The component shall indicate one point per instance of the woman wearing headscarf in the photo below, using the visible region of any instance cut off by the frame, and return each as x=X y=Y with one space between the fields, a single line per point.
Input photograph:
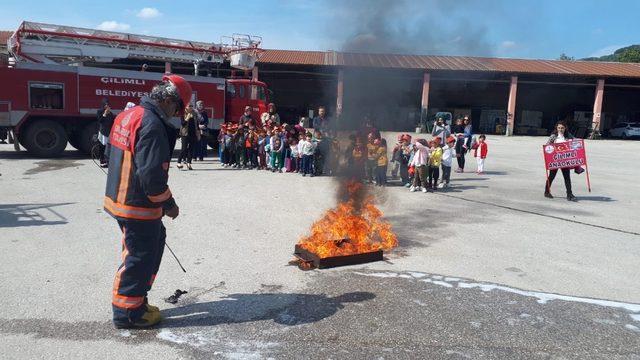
x=200 y=151
x=270 y=117
x=440 y=129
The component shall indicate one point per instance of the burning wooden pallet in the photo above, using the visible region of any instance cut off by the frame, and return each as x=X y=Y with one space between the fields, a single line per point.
x=306 y=260
x=351 y=233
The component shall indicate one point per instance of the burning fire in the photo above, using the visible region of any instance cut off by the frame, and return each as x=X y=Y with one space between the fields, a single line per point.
x=353 y=227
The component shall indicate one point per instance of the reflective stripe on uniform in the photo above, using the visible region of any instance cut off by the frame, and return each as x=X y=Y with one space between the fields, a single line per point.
x=125 y=173
x=123 y=301
x=131 y=212
x=166 y=195
x=127 y=302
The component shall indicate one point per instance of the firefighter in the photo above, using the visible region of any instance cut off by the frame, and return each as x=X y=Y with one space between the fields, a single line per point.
x=137 y=196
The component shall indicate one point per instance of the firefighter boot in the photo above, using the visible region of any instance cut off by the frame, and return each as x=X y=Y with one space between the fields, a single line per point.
x=148 y=319
x=149 y=307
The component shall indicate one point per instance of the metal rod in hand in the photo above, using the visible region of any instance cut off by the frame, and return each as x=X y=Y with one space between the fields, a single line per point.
x=174 y=256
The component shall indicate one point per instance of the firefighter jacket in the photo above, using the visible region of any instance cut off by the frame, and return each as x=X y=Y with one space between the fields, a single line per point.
x=139 y=163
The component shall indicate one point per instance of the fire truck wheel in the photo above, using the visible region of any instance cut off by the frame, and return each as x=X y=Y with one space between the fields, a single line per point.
x=74 y=139
x=87 y=137
x=45 y=138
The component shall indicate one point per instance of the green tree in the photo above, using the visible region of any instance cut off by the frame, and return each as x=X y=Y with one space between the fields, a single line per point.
x=566 y=57
x=630 y=54
x=625 y=54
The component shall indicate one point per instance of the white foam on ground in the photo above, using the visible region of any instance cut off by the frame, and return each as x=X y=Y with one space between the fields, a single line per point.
x=223 y=346
x=195 y=339
x=168 y=335
x=248 y=349
x=632 y=327
x=380 y=275
x=438 y=282
x=542 y=297
x=417 y=275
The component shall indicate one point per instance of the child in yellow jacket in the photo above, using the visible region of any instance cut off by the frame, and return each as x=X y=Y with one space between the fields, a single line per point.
x=435 y=159
x=381 y=162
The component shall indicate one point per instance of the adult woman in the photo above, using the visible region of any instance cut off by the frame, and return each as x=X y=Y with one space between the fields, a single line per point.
x=200 y=151
x=441 y=129
x=560 y=134
x=270 y=117
x=105 y=122
x=468 y=132
x=457 y=131
x=189 y=136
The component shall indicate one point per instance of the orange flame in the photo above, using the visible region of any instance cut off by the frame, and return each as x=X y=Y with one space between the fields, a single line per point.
x=358 y=222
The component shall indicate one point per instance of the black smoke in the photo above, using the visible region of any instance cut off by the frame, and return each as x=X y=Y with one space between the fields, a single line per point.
x=390 y=98
x=432 y=27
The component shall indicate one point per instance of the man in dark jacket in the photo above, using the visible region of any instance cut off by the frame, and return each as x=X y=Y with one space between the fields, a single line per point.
x=137 y=196
x=321 y=122
x=105 y=122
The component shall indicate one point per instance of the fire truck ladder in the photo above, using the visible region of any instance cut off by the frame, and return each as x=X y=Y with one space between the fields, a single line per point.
x=58 y=44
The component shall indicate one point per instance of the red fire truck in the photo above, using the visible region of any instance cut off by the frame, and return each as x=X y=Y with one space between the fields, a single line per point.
x=50 y=97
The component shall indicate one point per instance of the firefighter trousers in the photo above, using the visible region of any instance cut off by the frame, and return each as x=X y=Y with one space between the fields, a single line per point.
x=142 y=248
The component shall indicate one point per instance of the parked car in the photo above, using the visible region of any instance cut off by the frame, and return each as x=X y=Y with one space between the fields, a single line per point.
x=625 y=130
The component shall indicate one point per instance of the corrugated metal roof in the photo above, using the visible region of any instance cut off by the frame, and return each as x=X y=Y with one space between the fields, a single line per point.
x=455 y=63
x=294 y=57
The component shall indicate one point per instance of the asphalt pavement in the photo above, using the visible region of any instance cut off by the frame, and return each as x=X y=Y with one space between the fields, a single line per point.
x=487 y=269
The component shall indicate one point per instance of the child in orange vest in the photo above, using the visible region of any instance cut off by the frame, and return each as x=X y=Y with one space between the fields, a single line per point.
x=381 y=162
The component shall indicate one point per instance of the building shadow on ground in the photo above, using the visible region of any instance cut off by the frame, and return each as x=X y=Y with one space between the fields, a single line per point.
x=22 y=215
x=285 y=309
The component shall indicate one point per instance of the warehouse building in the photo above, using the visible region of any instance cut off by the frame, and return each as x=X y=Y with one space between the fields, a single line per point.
x=398 y=92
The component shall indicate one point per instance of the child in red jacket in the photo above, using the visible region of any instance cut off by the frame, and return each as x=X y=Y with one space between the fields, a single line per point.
x=480 y=153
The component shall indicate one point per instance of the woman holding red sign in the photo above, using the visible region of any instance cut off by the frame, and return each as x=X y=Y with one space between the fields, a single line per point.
x=560 y=135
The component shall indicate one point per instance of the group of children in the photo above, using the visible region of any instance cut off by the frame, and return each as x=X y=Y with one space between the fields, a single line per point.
x=420 y=162
x=368 y=162
x=276 y=148
x=422 y=165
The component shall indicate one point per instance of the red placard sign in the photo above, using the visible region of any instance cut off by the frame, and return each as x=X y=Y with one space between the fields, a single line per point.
x=570 y=154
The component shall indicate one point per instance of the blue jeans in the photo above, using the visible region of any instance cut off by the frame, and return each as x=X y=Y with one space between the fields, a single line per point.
x=307 y=162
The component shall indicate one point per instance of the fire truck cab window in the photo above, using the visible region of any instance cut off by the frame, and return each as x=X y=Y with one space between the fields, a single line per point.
x=241 y=91
x=231 y=90
x=259 y=92
x=46 y=96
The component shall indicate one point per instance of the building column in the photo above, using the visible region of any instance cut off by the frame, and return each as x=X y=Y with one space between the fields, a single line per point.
x=167 y=67
x=254 y=77
x=340 y=93
x=511 y=106
x=424 y=103
x=597 y=108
